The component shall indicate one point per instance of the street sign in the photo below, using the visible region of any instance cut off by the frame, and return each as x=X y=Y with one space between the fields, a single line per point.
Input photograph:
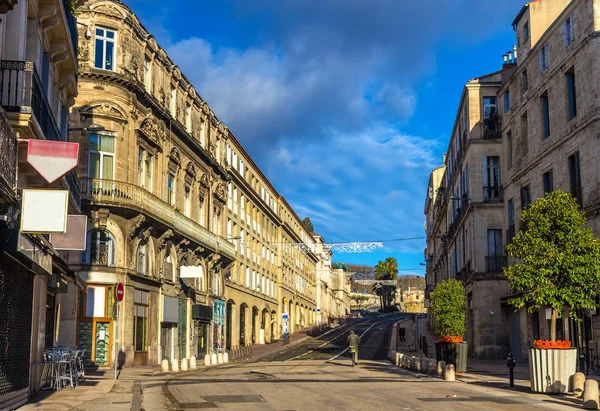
x=120 y=293
x=52 y=159
x=318 y=310
x=285 y=316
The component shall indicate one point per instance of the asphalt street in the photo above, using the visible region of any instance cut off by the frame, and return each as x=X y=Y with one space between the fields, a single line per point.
x=316 y=375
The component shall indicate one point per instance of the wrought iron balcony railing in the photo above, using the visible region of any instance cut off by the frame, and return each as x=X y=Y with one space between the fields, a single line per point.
x=120 y=194
x=21 y=91
x=72 y=26
x=492 y=193
x=495 y=263
x=8 y=155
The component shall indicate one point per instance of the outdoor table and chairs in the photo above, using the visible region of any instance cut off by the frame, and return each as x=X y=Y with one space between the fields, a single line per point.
x=63 y=367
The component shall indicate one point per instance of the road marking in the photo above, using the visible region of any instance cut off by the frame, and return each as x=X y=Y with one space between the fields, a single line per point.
x=326 y=342
x=346 y=349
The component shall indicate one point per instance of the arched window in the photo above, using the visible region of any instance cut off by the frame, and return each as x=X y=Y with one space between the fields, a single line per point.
x=142 y=259
x=100 y=248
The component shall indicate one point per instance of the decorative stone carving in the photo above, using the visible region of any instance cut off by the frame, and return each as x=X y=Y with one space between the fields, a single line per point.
x=175 y=157
x=7 y=5
x=100 y=218
x=162 y=240
x=151 y=130
x=104 y=109
x=182 y=249
x=145 y=235
x=220 y=192
x=135 y=224
x=109 y=11
x=162 y=97
x=204 y=179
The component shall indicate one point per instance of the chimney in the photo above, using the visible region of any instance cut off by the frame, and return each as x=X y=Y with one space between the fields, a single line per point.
x=515 y=53
x=444 y=158
x=504 y=59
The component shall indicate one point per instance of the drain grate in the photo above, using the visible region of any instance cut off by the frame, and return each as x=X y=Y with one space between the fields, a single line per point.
x=193 y=405
x=235 y=398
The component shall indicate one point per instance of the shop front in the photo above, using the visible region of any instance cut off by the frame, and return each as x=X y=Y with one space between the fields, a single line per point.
x=202 y=317
x=96 y=324
x=218 y=326
x=168 y=327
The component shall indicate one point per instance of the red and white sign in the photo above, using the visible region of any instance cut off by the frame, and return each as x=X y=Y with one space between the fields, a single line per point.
x=52 y=159
x=120 y=293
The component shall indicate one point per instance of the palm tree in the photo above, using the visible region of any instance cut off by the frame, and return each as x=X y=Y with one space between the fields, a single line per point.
x=385 y=271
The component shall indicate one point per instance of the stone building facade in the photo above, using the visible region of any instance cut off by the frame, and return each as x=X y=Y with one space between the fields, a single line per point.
x=178 y=212
x=38 y=84
x=549 y=107
x=465 y=217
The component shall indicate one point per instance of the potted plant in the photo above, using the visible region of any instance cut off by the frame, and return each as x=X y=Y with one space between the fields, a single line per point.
x=447 y=306
x=558 y=269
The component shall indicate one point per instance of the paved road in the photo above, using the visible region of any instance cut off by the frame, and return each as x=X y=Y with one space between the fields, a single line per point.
x=316 y=375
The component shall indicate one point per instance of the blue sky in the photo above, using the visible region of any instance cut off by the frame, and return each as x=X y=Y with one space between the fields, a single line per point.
x=346 y=105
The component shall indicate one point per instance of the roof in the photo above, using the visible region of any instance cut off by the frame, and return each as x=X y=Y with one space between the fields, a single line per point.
x=521 y=12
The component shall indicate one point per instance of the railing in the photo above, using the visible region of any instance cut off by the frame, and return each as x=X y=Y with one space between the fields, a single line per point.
x=100 y=254
x=120 y=194
x=8 y=154
x=492 y=193
x=72 y=26
x=20 y=88
x=495 y=263
x=491 y=129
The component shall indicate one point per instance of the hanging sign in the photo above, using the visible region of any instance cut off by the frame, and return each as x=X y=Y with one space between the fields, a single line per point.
x=52 y=159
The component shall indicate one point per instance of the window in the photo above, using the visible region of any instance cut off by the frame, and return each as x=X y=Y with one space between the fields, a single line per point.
x=140 y=164
x=171 y=188
x=173 y=102
x=201 y=218
x=188 y=118
x=187 y=206
x=525 y=198
x=490 y=117
x=106 y=50
x=495 y=251
x=142 y=259
x=544 y=58
x=511 y=220
x=569 y=33
x=571 y=94
x=148 y=165
x=548 y=182
x=140 y=319
x=524 y=137
x=492 y=189
x=148 y=74
x=506 y=100
x=524 y=81
x=575 y=177
x=203 y=133
x=526 y=31
x=100 y=249
x=102 y=156
x=510 y=149
x=545 y=115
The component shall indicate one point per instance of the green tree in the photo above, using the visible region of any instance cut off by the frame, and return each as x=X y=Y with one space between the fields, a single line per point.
x=447 y=306
x=308 y=224
x=386 y=270
x=559 y=259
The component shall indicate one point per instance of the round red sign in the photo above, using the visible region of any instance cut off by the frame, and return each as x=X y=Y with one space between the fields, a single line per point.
x=120 y=292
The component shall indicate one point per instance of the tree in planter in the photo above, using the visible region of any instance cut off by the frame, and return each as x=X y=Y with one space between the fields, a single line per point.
x=559 y=259
x=447 y=306
x=386 y=270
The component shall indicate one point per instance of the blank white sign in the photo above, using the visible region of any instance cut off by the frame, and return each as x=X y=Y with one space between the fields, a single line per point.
x=44 y=211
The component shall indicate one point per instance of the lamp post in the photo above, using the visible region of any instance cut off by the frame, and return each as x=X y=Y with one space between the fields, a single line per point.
x=92 y=128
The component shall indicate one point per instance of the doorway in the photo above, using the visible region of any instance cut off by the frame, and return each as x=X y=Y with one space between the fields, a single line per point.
x=242 y=324
x=228 y=321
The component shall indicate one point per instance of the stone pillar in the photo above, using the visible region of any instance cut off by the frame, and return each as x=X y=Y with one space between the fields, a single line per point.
x=590 y=395
x=578 y=383
x=164 y=366
x=441 y=369
x=193 y=362
x=207 y=359
x=175 y=365
x=184 y=364
x=450 y=373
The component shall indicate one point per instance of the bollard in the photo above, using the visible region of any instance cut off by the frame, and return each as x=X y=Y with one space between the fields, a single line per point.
x=184 y=364
x=578 y=383
x=417 y=364
x=441 y=369
x=510 y=363
x=449 y=376
x=164 y=366
x=225 y=357
x=432 y=366
x=193 y=362
x=424 y=365
x=175 y=365
x=399 y=358
x=213 y=359
x=590 y=395
x=207 y=359
x=220 y=358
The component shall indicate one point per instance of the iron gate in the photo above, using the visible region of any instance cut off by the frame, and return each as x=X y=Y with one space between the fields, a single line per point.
x=16 y=296
x=166 y=341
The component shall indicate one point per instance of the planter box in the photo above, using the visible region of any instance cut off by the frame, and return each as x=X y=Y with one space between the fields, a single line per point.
x=453 y=353
x=550 y=369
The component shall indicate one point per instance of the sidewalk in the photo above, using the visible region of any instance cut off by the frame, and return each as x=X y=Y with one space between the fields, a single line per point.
x=100 y=391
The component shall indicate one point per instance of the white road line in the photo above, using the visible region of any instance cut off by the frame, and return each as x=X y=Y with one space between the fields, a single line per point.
x=346 y=349
x=325 y=343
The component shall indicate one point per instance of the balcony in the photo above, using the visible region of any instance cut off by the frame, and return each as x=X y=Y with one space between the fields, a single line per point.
x=8 y=159
x=495 y=263
x=21 y=91
x=491 y=124
x=118 y=194
x=492 y=194
x=72 y=26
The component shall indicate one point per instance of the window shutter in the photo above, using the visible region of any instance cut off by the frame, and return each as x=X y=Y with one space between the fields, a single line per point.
x=566 y=33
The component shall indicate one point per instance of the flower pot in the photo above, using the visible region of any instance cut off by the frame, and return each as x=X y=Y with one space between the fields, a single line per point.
x=453 y=353
x=550 y=369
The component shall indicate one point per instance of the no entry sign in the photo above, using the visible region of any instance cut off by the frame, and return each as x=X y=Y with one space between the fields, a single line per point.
x=52 y=159
x=120 y=293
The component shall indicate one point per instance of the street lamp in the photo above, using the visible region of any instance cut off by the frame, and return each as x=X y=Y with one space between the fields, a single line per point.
x=93 y=128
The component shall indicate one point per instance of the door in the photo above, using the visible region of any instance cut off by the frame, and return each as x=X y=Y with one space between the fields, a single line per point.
x=102 y=349
x=242 y=325
x=228 y=325
x=166 y=340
